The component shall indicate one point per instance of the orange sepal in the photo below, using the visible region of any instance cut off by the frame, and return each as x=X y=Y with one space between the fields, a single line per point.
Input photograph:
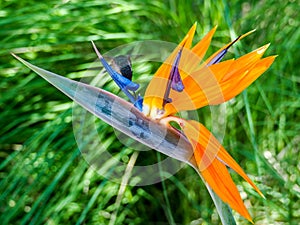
x=232 y=88
x=211 y=157
x=155 y=90
x=244 y=63
x=219 y=179
x=220 y=82
x=201 y=47
x=255 y=73
x=219 y=152
x=202 y=87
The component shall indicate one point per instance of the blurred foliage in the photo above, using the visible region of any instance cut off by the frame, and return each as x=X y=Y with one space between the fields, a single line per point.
x=43 y=177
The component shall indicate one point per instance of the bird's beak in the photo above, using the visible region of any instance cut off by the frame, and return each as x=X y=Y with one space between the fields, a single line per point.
x=121 y=115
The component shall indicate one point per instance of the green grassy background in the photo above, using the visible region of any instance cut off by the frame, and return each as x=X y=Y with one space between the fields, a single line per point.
x=43 y=177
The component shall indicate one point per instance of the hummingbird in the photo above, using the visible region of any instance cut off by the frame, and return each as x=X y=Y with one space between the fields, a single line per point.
x=122 y=64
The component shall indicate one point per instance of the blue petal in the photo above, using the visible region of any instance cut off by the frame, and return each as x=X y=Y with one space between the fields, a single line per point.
x=124 y=84
x=139 y=103
x=218 y=57
x=221 y=55
x=175 y=81
x=176 y=84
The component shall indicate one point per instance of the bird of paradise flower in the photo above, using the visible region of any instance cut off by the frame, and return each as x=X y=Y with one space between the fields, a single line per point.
x=182 y=83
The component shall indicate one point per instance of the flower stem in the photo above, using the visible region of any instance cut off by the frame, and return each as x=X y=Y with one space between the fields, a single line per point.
x=223 y=209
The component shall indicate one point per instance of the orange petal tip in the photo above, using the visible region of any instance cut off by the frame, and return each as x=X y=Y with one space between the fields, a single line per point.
x=249 y=32
x=213 y=30
x=262 y=49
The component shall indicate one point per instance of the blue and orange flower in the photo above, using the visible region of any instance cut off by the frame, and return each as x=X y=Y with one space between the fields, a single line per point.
x=183 y=82
x=186 y=82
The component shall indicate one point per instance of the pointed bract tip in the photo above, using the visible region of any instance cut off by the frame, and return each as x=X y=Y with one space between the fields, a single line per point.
x=14 y=55
x=18 y=58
